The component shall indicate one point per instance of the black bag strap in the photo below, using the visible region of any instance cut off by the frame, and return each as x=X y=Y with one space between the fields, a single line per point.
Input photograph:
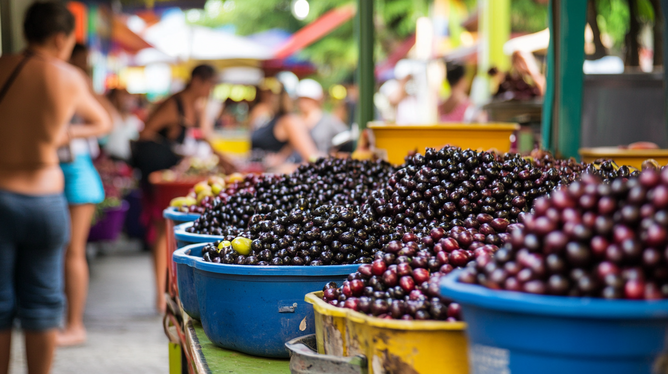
x=12 y=77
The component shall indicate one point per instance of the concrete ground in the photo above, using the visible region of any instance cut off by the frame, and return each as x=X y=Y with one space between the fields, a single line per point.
x=125 y=333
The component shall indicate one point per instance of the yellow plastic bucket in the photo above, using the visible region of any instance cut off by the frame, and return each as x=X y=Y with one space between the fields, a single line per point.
x=237 y=146
x=629 y=157
x=394 y=142
x=330 y=326
x=393 y=346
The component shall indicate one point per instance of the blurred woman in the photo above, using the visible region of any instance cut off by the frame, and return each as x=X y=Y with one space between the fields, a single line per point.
x=456 y=106
x=267 y=106
x=126 y=125
x=161 y=146
x=284 y=134
x=83 y=189
x=39 y=92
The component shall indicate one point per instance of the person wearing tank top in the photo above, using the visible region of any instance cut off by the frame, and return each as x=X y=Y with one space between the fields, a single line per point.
x=285 y=140
x=159 y=147
x=39 y=93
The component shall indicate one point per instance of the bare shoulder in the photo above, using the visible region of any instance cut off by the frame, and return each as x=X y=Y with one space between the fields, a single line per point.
x=71 y=73
x=291 y=120
x=164 y=111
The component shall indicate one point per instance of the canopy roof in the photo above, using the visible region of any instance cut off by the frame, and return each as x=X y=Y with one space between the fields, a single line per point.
x=175 y=38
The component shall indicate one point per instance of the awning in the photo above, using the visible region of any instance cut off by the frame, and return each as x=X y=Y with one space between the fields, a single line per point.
x=175 y=38
x=535 y=42
x=125 y=38
x=315 y=30
x=300 y=68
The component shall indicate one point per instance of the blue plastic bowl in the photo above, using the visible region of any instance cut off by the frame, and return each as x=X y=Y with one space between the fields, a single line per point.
x=184 y=238
x=179 y=217
x=257 y=309
x=185 y=259
x=513 y=332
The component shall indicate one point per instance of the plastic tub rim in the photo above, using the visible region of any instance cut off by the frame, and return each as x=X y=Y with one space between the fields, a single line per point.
x=548 y=305
x=493 y=126
x=182 y=235
x=621 y=152
x=175 y=215
x=315 y=298
x=182 y=256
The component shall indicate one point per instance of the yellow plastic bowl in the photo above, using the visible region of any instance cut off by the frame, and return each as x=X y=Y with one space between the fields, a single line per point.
x=393 y=346
x=236 y=146
x=396 y=141
x=330 y=326
x=629 y=157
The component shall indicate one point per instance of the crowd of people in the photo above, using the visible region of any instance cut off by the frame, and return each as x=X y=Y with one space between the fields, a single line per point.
x=55 y=125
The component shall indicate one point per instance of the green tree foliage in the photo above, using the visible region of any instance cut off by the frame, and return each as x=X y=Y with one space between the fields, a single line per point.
x=613 y=18
x=527 y=16
x=336 y=54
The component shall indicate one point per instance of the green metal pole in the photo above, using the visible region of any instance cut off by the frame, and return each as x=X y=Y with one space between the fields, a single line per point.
x=664 y=13
x=567 y=79
x=365 y=64
x=548 y=99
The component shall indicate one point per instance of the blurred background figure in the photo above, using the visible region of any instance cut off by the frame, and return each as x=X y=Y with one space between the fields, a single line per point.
x=126 y=125
x=457 y=107
x=83 y=189
x=170 y=134
x=526 y=65
x=401 y=95
x=284 y=134
x=34 y=227
x=269 y=93
x=323 y=126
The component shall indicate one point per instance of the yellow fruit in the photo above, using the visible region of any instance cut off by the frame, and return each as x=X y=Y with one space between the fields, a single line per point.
x=202 y=186
x=214 y=179
x=177 y=202
x=168 y=176
x=242 y=245
x=202 y=195
x=190 y=200
x=236 y=177
x=224 y=244
x=216 y=188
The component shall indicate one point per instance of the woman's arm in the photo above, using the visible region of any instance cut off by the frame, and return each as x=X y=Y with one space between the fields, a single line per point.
x=205 y=121
x=292 y=128
x=96 y=119
x=165 y=113
x=205 y=124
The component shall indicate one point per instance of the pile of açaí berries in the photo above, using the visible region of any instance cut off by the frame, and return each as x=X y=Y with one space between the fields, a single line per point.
x=342 y=211
x=589 y=239
x=405 y=226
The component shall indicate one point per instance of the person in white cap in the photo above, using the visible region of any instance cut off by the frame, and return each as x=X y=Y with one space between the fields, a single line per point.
x=323 y=126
